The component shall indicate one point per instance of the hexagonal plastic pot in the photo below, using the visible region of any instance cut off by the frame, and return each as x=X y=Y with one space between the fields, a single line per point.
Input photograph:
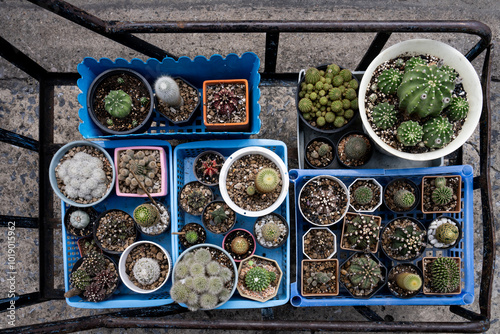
x=373 y=181
x=259 y=261
x=320 y=228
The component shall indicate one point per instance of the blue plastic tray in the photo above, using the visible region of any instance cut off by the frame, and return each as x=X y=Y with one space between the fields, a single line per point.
x=464 y=249
x=195 y=71
x=123 y=297
x=184 y=156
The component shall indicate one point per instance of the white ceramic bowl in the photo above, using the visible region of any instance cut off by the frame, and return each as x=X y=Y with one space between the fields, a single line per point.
x=379 y=203
x=269 y=155
x=451 y=57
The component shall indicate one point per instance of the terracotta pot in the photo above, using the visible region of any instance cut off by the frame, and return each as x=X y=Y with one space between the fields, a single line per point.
x=458 y=193
x=305 y=294
x=241 y=277
x=426 y=261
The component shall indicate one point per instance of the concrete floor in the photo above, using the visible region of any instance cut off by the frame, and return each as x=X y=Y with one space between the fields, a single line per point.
x=59 y=46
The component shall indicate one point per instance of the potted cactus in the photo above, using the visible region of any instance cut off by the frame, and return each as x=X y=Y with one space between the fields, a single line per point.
x=194 y=196
x=444 y=232
x=401 y=195
x=226 y=105
x=207 y=166
x=320 y=278
x=327 y=99
x=120 y=102
x=87 y=245
x=441 y=275
x=204 y=277
x=441 y=194
x=360 y=233
x=80 y=221
x=114 y=231
x=404 y=280
x=362 y=275
x=94 y=278
x=354 y=149
x=191 y=234
x=319 y=153
x=319 y=243
x=403 y=239
x=271 y=231
x=145 y=266
x=259 y=278
x=218 y=217
x=365 y=195
x=176 y=99
x=239 y=243
x=152 y=218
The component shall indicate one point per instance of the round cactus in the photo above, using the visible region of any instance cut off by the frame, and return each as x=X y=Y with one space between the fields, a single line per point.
x=350 y=94
x=409 y=281
x=167 y=90
x=445 y=275
x=335 y=94
x=458 y=108
x=413 y=62
x=364 y=272
x=440 y=181
x=363 y=195
x=146 y=271
x=312 y=75
x=270 y=232
x=333 y=70
x=389 y=81
x=80 y=279
x=257 y=279
x=191 y=237
x=425 y=90
x=146 y=215
x=305 y=105
x=410 y=133
x=251 y=190
x=239 y=245
x=384 y=115
x=437 y=132
x=346 y=75
x=324 y=149
x=355 y=148
x=79 y=219
x=404 y=198
x=447 y=233
x=267 y=180
x=118 y=103
x=442 y=195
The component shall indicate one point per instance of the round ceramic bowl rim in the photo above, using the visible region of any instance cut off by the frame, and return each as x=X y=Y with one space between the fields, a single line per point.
x=123 y=274
x=62 y=151
x=334 y=242
x=247 y=231
x=381 y=194
x=235 y=268
x=267 y=154
x=343 y=186
x=447 y=53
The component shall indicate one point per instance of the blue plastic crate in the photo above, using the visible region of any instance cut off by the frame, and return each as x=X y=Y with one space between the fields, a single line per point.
x=123 y=297
x=195 y=71
x=184 y=156
x=464 y=249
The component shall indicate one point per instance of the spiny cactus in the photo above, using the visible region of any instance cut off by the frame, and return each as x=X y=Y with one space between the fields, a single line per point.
x=406 y=242
x=409 y=281
x=384 y=115
x=404 y=198
x=332 y=70
x=389 y=81
x=414 y=62
x=410 y=133
x=210 y=167
x=106 y=278
x=361 y=232
x=447 y=233
x=442 y=195
x=346 y=75
x=191 y=236
x=440 y=181
x=458 y=108
x=239 y=245
x=167 y=90
x=270 y=231
x=218 y=215
x=146 y=215
x=445 y=275
x=251 y=190
x=312 y=75
x=266 y=180
x=224 y=101
x=437 y=132
x=94 y=263
x=425 y=90
x=364 y=272
x=355 y=148
x=318 y=278
x=363 y=195
x=197 y=199
x=79 y=219
x=335 y=94
x=324 y=149
x=80 y=279
x=146 y=271
x=95 y=292
x=118 y=103
x=257 y=279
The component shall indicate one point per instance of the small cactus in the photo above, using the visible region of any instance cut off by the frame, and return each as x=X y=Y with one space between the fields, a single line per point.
x=118 y=103
x=442 y=195
x=305 y=105
x=437 y=132
x=191 y=236
x=270 y=231
x=355 y=148
x=364 y=272
x=324 y=149
x=413 y=62
x=146 y=271
x=95 y=292
x=447 y=233
x=458 y=108
x=266 y=180
x=384 y=115
x=197 y=200
x=80 y=279
x=410 y=133
x=94 y=263
x=257 y=279
x=363 y=195
x=361 y=232
x=146 y=215
x=440 y=181
x=389 y=81
x=79 y=219
x=218 y=215
x=404 y=199
x=406 y=242
x=445 y=275
x=318 y=278
x=312 y=75
x=167 y=90
x=409 y=281
x=251 y=190
x=239 y=245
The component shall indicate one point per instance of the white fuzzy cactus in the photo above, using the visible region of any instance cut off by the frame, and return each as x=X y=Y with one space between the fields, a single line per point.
x=79 y=219
x=167 y=91
x=146 y=271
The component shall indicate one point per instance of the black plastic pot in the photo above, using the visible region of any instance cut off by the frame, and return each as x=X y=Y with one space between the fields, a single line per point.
x=98 y=242
x=324 y=140
x=87 y=231
x=377 y=289
x=383 y=233
x=182 y=189
x=142 y=127
x=283 y=220
x=205 y=224
x=304 y=121
x=367 y=158
x=392 y=282
x=416 y=191
x=201 y=239
x=188 y=120
x=201 y=155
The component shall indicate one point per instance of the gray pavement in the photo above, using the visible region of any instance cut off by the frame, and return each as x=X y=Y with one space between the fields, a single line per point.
x=59 y=46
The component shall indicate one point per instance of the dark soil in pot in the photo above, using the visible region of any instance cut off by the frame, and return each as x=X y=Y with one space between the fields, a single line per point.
x=154 y=253
x=207 y=166
x=314 y=273
x=87 y=231
x=392 y=284
x=218 y=217
x=319 y=244
x=403 y=239
x=226 y=103
x=354 y=150
x=87 y=245
x=376 y=194
x=240 y=244
x=200 y=231
x=146 y=164
x=114 y=231
x=194 y=196
x=320 y=153
x=191 y=101
x=393 y=188
x=428 y=188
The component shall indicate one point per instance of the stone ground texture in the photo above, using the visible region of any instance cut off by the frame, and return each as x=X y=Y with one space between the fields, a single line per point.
x=59 y=45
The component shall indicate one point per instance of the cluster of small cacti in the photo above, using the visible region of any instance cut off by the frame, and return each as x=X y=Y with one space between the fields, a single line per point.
x=404 y=198
x=364 y=273
x=94 y=278
x=146 y=215
x=408 y=281
x=443 y=194
x=118 y=103
x=200 y=281
x=361 y=232
x=79 y=219
x=146 y=270
x=197 y=199
x=424 y=91
x=445 y=275
x=83 y=177
x=406 y=241
x=328 y=97
x=259 y=279
x=143 y=163
x=318 y=278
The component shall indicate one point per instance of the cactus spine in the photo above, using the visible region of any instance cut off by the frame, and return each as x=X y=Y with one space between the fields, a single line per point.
x=458 y=109
x=384 y=115
x=437 y=132
x=167 y=91
x=445 y=275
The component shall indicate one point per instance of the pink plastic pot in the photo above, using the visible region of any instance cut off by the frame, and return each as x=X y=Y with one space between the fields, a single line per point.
x=231 y=253
x=163 y=170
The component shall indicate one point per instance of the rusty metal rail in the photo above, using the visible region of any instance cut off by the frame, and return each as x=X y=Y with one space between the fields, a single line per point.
x=157 y=317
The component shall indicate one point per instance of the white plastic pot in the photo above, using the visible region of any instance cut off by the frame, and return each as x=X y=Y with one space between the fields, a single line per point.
x=326 y=229
x=123 y=273
x=451 y=57
x=269 y=155
x=379 y=202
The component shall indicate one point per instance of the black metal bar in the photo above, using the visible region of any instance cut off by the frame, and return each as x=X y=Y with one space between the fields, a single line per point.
x=19 y=140
x=477 y=50
x=272 y=42
x=467 y=314
x=368 y=313
x=476 y=184
x=20 y=300
x=62 y=78
x=374 y=49
x=19 y=59
x=18 y=222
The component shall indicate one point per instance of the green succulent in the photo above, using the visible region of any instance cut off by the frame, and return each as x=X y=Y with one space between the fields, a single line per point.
x=257 y=279
x=80 y=279
x=270 y=231
x=409 y=281
x=363 y=195
x=267 y=180
x=445 y=273
x=305 y=105
x=410 y=133
x=384 y=115
x=118 y=103
x=146 y=215
x=324 y=149
x=414 y=62
x=389 y=81
x=219 y=215
x=406 y=242
x=191 y=236
x=458 y=108
x=364 y=272
x=318 y=278
x=440 y=181
x=312 y=75
x=442 y=195
x=404 y=198
x=361 y=232
x=437 y=132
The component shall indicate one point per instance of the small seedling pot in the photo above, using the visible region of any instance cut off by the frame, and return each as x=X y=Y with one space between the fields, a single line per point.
x=229 y=234
x=191 y=116
x=392 y=285
x=376 y=289
x=431 y=231
x=335 y=284
x=181 y=194
x=340 y=154
x=96 y=226
x=284 y=236
x=377 y=185
x=201 y=156
x=201 y=237
x=458 y=193
x=324 y=140
x=206 y=224
x=343 y=241
x=241 y=278
x=87 y=231
x=80 y=242
x=427 y=288
x=411 y=184
x=385 y=232
x=326 y=229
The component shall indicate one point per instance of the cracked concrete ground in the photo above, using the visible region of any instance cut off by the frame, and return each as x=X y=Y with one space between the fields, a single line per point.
x=59 y=46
